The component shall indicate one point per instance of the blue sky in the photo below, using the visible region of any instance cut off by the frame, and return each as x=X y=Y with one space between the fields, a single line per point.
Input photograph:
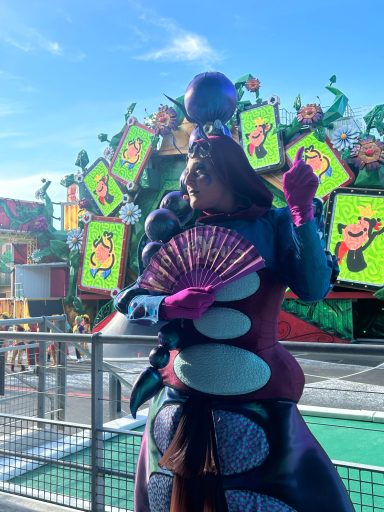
x=69 y=68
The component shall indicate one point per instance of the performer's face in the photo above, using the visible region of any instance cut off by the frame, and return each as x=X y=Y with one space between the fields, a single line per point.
x=205 y=189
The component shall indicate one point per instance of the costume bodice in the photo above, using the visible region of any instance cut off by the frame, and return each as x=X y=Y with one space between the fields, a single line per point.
x=232 y=350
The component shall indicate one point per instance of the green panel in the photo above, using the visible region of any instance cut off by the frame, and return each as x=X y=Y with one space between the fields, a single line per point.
x=278 y=200
x=330 y=315
x=169 y=169
x=324 y=162
x=353 y=225
x=102 y=255
x=103 y=188
x=258 y=124
x=134 y=149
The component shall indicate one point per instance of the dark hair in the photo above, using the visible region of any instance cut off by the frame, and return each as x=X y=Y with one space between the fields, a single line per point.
x=232 y=166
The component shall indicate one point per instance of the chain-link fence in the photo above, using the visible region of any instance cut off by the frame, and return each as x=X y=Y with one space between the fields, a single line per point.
x=90 y=464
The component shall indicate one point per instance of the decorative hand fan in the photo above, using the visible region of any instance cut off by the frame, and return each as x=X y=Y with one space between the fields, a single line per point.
x=201 y=256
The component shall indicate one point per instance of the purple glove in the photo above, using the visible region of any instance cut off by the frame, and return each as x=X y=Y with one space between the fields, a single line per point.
x=190 y=303
x=299 y=186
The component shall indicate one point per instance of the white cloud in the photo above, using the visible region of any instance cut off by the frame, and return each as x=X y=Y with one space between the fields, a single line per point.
x=9 y=109
x=53 y=47
x=10 y=135
x=25 y=187
x=181 y=45
x=25 y=47
x=187 y=47
x=8 y=76
x=78 y=57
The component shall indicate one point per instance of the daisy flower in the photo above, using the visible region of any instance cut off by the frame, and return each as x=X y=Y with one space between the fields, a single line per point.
x=345 y=137
x=130 y=213
x=74 y=239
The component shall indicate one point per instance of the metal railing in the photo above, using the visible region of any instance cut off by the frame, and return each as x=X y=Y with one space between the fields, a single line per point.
x=92 y=467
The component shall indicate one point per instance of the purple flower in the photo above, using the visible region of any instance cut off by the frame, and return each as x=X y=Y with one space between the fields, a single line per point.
x=164 y=120
x=310 y=114
x=368 y=153
x=39 y=224
x=84 y=204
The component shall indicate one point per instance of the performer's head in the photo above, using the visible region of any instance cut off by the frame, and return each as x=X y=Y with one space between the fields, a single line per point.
x=219 y=177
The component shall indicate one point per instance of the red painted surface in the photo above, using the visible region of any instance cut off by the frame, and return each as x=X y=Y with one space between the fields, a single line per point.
x=59 y=282
x=14 y=205
x=292 y=328
x=20 y=253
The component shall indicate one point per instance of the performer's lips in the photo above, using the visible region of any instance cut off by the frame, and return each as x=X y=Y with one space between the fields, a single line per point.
x=193 y=192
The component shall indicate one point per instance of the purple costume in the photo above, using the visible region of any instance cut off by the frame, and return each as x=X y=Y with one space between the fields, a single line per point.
x=230 y=376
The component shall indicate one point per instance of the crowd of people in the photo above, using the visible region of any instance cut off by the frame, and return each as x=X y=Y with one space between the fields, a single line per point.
x=28 y=358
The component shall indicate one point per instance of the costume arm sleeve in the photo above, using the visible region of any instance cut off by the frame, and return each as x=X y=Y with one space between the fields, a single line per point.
x=138 y=305
x=305 y=267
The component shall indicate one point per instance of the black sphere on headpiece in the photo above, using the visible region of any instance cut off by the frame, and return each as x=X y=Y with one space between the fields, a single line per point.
x=161 y=225
x=149 y=250
x=175 y=202
x=210 y=96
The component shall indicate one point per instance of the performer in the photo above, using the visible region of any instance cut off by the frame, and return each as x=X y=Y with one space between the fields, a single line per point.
x=225 y=433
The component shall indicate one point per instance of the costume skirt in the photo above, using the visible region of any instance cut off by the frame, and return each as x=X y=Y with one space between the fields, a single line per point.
x=261 y=458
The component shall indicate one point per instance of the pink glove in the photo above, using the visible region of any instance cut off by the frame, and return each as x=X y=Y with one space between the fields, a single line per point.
x=190 y=303
x=299 y=186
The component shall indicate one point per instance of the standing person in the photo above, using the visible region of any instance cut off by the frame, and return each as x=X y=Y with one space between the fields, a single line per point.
x=33 y=352
x=18 y=353
x=78 y=328
x=87 y=329
x=224 y=433
x=4 y=316
x=52 y=348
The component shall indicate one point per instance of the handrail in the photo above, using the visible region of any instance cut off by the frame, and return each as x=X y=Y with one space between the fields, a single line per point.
x=292 y=346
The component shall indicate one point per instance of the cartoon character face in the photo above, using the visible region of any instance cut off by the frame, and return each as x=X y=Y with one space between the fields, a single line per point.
x=356 y=235
x=257 y=137
x=320 y=163
x=102 y=190
x=131 y=153
x=102 y=187
x=103 y=256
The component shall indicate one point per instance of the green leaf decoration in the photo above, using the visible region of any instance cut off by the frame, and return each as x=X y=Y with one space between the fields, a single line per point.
x=68 y=180
x=337 y=109
x=320 y=134
x=59 y=249
x=179 y=112
x=130 y=110
x=370 y=178
x=82 y=159
x=78 y=305
x=379 y=294
x=375 y=119
x=346 y=154
x=280 y=128
x=116 y=139
x=297 y=103
x=291 y=130
x=103 y=137
x=74 y=259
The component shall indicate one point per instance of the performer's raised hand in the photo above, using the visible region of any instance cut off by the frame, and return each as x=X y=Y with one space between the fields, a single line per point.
x=299 y=186
x=189 y=303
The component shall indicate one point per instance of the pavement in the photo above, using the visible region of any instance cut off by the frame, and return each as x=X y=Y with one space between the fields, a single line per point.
x=345 y=381
x=14 y=503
